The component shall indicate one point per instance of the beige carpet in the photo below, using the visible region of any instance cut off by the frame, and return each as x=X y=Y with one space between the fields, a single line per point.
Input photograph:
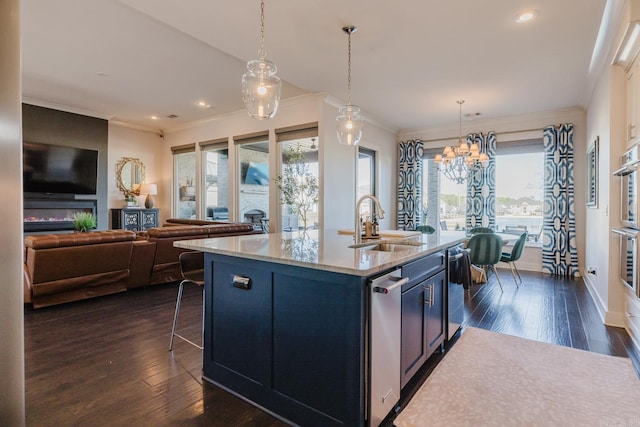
x=491 y=379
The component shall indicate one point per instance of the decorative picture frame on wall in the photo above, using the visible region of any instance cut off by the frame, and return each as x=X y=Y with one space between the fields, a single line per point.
x=592 y=174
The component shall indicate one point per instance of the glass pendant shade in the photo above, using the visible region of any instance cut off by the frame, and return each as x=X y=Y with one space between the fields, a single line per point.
x=261 y=89
x=260 y=85
x=349 y=125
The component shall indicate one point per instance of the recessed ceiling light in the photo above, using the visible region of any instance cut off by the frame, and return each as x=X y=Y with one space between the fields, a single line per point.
x=154 y=117
x=527 y=15
x=203 y=104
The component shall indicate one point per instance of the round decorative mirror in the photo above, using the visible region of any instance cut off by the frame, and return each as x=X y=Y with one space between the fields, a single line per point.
x=129 y=175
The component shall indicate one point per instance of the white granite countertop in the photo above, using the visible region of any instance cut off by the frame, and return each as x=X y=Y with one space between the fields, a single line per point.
x=321 y=249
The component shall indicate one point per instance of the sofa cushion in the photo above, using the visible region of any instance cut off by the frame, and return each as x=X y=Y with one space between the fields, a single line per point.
x=51 y=264
x=182 y=221
x=202 y=231
x=45 y=241
x=176 y=231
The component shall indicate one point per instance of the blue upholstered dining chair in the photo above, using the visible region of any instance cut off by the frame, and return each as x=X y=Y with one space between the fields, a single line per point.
x=485 y=249
x=516 y=253
x=425 y=229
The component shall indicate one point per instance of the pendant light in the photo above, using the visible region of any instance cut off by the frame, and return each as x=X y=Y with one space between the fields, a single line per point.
x=260 y=85
x=349 y=121
x=459 y=163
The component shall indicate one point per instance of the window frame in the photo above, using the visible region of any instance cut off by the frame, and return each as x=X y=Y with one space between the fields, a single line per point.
x=292 y=133
x=205 y=147
x=175 y=192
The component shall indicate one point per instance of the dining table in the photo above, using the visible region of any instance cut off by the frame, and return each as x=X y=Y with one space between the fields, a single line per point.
x=507 y=238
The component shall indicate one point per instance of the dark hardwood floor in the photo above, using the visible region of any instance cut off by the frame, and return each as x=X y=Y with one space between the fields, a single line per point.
x=105 y=362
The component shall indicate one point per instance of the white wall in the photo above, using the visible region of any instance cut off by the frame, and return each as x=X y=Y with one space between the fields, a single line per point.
x=144 y=145
x=337 y=162
x=339 y=171
x=12 y=399
x=606 y=113
x=523 y=127
x=607 y=119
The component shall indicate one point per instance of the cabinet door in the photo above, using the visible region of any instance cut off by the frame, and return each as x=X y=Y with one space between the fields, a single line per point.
x=632 y=101
x=413 y=348
x=131 y=220
x=435 y=328
x=241 y=327
x=423 y=326
x=149 y=218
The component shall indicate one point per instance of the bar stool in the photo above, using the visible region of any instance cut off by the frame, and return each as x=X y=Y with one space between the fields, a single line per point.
x=192 y=271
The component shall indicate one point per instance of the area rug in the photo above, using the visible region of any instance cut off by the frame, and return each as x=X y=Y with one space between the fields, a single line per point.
x=492 y=379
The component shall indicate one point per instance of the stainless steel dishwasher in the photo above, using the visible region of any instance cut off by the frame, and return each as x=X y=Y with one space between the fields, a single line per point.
x=385 y=336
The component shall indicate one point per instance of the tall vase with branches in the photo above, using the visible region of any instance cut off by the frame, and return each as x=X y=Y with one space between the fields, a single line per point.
x=298 y=186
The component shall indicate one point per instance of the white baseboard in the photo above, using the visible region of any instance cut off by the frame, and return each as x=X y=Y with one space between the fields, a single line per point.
x=602 y=309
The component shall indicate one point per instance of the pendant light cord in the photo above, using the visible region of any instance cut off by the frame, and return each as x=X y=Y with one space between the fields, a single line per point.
x=349 y=70
x=460 y=122
x=261 y=53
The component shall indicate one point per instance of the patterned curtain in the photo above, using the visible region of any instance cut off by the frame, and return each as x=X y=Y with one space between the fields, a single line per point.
x=410 y=184
x=481 y=187
x=433 y=195
x=559 y=253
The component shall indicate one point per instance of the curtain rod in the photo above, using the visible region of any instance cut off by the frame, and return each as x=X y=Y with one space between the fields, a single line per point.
x=497 y=133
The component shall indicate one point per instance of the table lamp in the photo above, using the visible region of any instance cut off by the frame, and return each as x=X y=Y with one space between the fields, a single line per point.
x=149 y=190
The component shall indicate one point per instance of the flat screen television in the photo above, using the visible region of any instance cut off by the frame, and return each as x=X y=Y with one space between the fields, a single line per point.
x=257 y=174
x=52 y=169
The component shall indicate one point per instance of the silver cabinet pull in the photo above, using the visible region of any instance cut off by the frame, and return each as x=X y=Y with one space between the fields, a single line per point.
x=431 y=289
x=241 y=282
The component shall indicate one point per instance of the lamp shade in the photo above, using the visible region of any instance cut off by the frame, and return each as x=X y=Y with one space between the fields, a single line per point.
x=151 y=189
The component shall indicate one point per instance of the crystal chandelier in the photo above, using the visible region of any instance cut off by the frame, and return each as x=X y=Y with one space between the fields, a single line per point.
x=458 y=163
x=260 y=85
x=349 y=121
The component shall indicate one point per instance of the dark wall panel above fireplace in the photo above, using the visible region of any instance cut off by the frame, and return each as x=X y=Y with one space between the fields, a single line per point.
x=49 y=126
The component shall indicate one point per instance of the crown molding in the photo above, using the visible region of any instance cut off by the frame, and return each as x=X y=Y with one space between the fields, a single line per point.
x=62 y=107
x=500 y=125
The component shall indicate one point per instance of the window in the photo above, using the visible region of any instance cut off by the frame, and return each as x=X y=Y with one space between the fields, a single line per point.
x=305 y=139
x=215 y=160
x=444 y=203
x=254 y=179
x=366 y=178
x=453 y=204
x=519 y=190
x=289 y=219
x=520 y=186
x=184 y=171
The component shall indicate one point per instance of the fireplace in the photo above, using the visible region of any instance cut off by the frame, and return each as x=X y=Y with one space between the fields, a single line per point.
x=52 y=214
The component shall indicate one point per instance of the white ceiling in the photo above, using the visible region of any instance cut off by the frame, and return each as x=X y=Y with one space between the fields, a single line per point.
x=411 y=59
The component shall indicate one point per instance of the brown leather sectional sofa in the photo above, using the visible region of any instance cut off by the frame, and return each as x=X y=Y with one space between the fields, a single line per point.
x=61 y=268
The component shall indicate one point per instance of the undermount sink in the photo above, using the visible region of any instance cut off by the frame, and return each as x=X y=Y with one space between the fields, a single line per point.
x=386 y=246
x=389 y=247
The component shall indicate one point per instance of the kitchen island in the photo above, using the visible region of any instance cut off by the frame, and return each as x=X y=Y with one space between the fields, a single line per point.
x=287 y=319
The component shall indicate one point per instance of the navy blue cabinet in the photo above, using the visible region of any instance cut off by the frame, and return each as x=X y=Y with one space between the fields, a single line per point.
x=423 y=313
x=292 y=340
x=240 y=328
